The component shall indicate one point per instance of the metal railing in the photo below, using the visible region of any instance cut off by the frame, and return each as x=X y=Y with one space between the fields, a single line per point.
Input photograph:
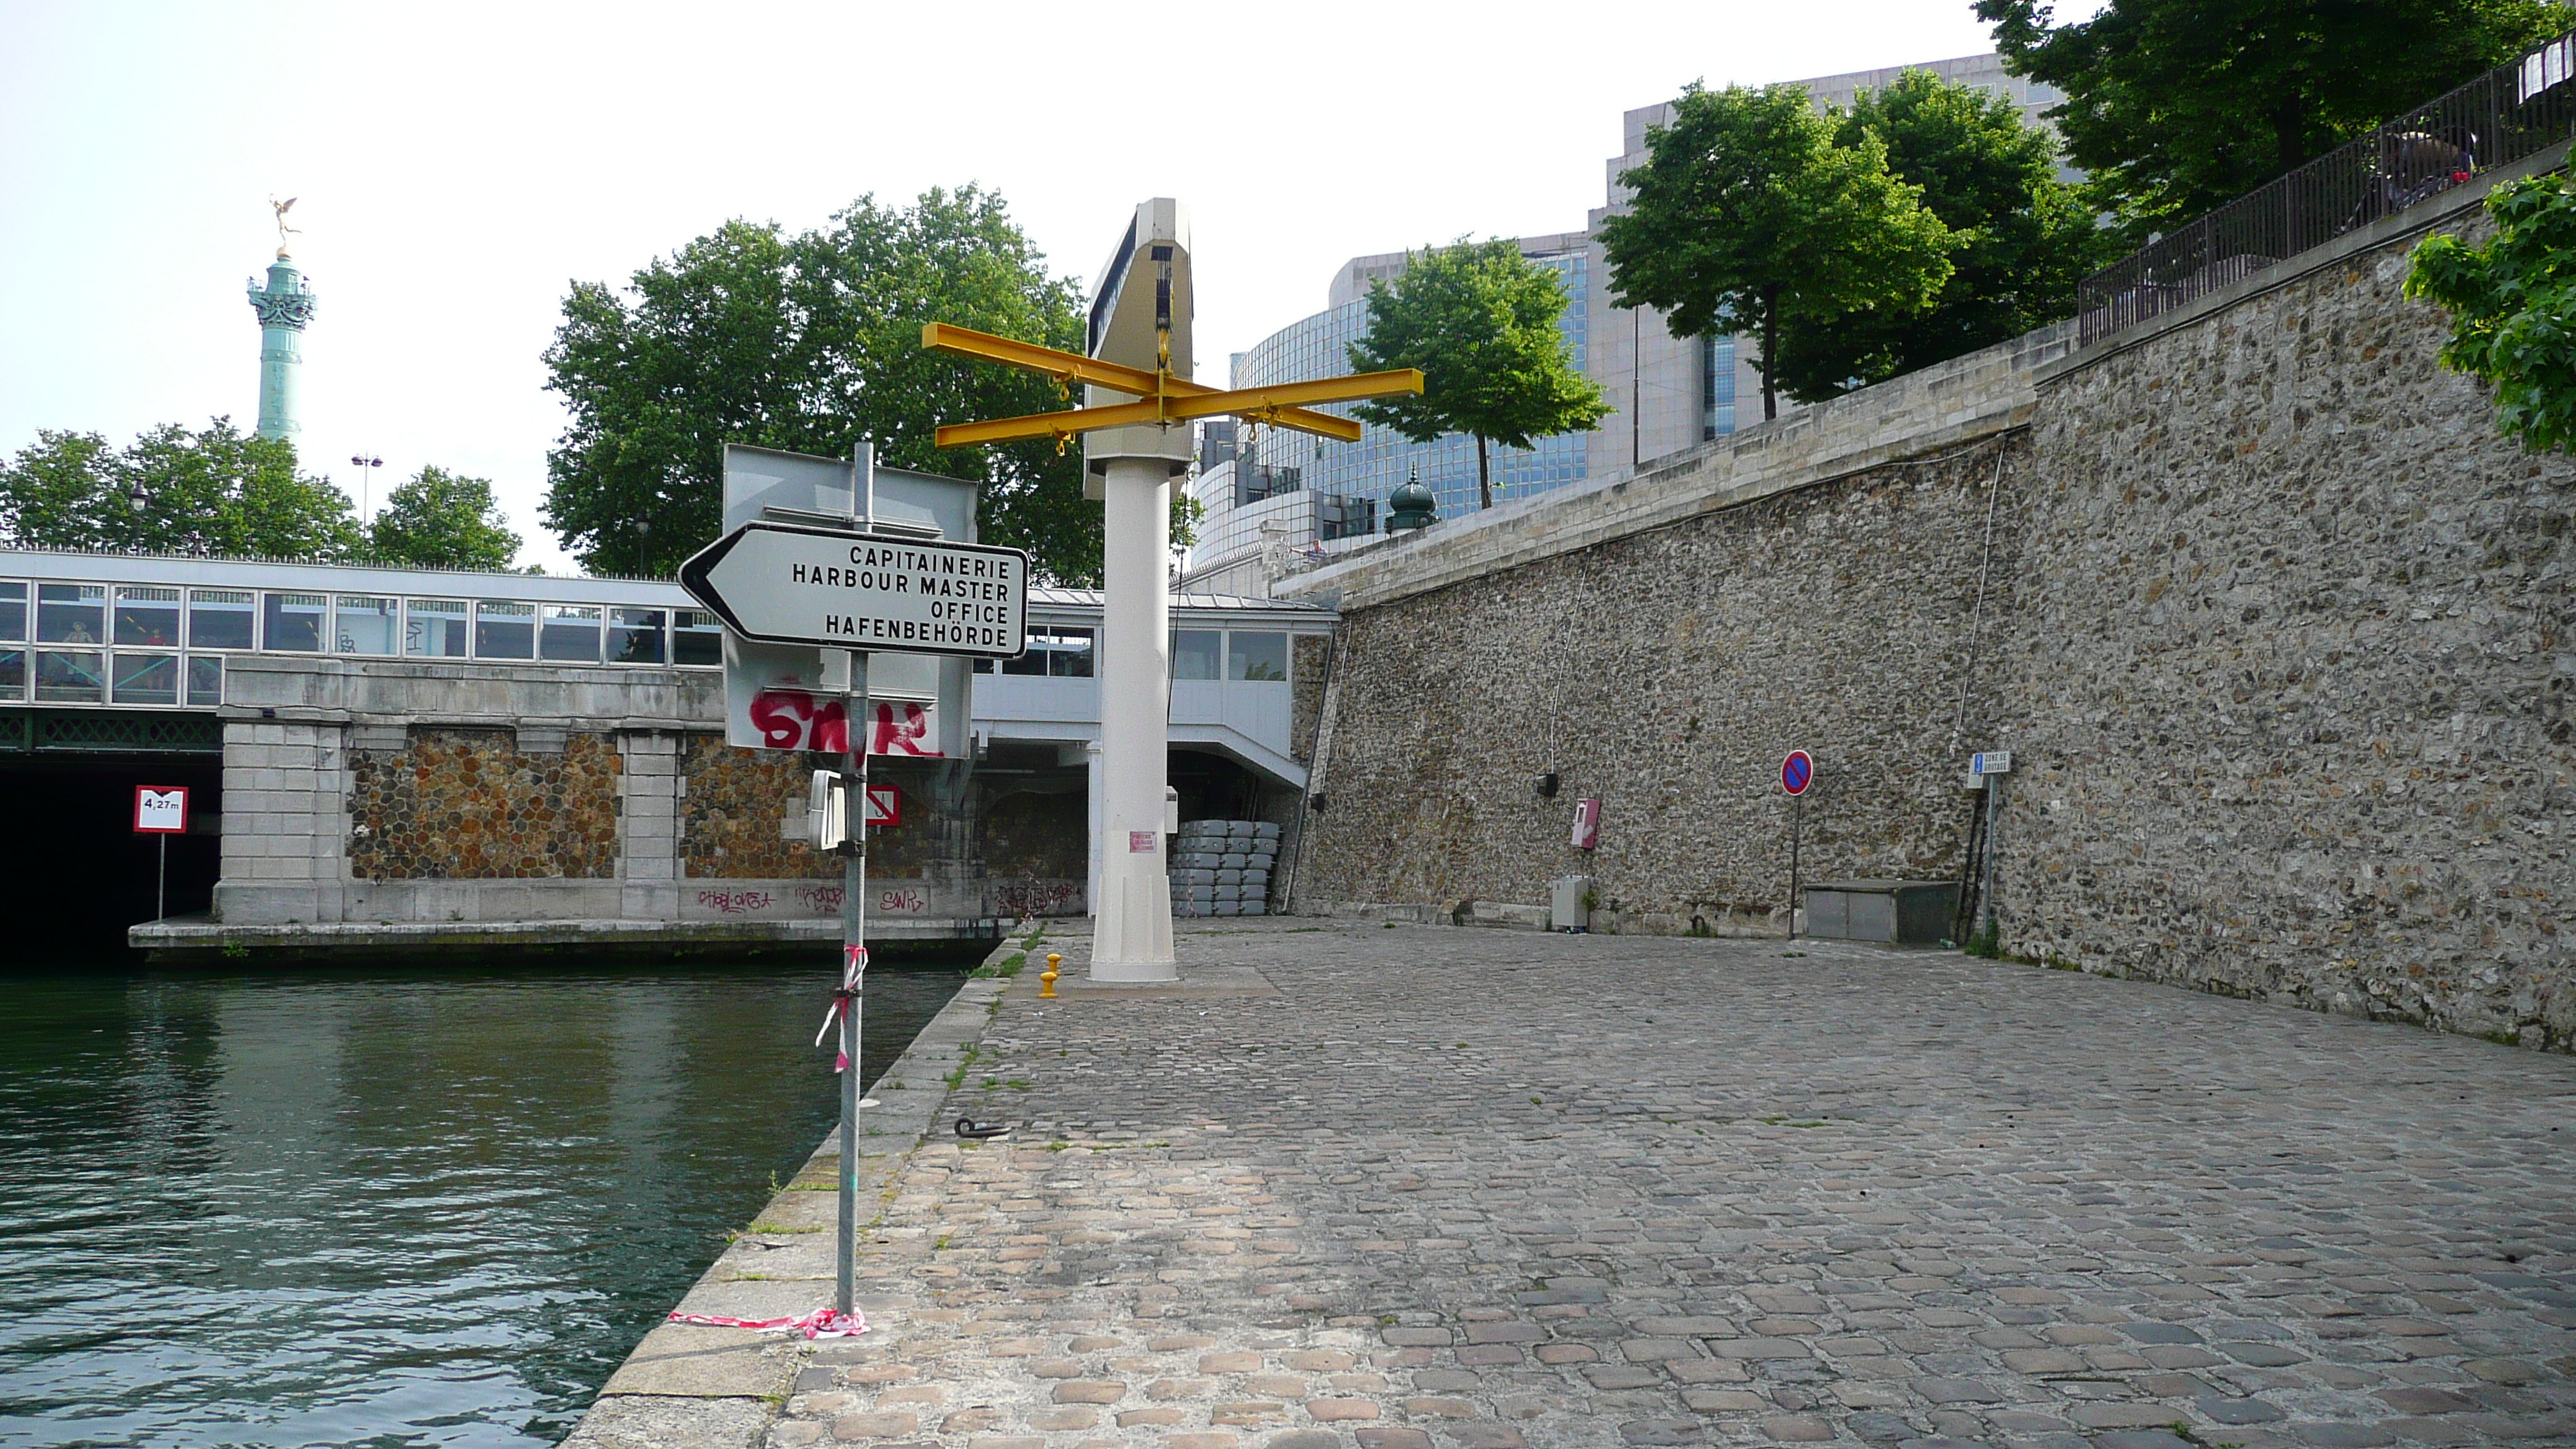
x=2509 y=113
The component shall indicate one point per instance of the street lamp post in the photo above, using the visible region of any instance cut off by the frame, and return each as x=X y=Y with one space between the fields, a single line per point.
x=367 y=466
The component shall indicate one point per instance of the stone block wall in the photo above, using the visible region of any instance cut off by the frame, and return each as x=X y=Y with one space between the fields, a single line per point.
x=468 y=804
x=737 y=811
x=2293 y=657
x=1667 y=673
x=1309 y=671
x=283 y=783
x=2275 y=622
x=1035 y=846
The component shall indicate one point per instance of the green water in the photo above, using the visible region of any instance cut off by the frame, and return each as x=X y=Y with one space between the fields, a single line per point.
x=386 y=1208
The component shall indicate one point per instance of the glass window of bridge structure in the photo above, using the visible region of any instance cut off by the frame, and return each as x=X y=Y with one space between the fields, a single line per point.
x=205 y=679
x=292 y=623
x=13 y=611
x=1256 y=655
x=697 y=637
x=435 y=629
x=71 y=676
x=571 y=634
x=365 y=625
x=635 y=636
x=147 y=616
x=13 y=674
x=145 y=679
x=219 y=619
x=71 y=613
x=1198 y=654
x=505 y=631
x=1064 y=653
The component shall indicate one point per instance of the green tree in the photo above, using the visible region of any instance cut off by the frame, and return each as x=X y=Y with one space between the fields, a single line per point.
x=1748 y=218
x=2176 y=106
x=2024 y=238
x=1481 y=321
x=216 y=491
x=810 y=343
x=439 y=519
x=2513 y=307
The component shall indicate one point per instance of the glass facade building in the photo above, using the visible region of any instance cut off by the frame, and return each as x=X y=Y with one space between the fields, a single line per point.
x=1269 y=461
x=1667 y=393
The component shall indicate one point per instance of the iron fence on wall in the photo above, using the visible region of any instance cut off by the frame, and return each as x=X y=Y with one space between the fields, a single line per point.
x=2509 y=113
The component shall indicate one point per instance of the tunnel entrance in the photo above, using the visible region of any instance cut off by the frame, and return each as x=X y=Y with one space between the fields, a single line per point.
x=1216 y=787
x=68 y=848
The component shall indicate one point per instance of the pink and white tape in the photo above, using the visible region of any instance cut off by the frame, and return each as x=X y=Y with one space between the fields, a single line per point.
x=821 y=1323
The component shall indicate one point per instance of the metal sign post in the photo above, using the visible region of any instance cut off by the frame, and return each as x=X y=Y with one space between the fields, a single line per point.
x=854 y=971
x=1797 y=773
x=815 y=561
x=161 y=810
x=854 y=913
x=1990 y=768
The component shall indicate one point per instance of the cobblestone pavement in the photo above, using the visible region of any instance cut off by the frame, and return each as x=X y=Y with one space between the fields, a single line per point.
x=1491 y=1188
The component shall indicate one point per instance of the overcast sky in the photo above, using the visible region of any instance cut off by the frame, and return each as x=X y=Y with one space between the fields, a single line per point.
x=458 y=165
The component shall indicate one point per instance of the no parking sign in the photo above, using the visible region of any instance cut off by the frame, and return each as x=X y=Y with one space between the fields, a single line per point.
x=1797 y=772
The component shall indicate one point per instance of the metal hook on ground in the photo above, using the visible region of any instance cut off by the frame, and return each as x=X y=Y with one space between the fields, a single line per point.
x=974 y=1131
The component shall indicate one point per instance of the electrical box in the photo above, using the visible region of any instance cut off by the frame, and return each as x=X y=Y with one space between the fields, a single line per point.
x=827 y=810
x=1566 y=910
x=1896 y=912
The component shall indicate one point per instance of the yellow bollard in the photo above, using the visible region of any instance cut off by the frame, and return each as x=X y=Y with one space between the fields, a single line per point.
x=1046 y=978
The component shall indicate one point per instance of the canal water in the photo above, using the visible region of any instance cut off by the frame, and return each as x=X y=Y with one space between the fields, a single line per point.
x=342 y=1208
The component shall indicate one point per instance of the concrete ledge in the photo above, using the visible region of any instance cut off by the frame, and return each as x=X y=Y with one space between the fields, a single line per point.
x=1946 y=406
x=1504 y=914
x=686 y=1387
x=195 y=940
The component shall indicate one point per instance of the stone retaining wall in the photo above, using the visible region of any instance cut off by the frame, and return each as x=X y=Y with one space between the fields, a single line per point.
x=1666 y=673
x=463 y=804
x=2274 y=621
x=2293 y=659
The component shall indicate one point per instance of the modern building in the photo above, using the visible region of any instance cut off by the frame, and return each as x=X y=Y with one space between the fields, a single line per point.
x=1326 y=493
x=1672 y=391
x=1273 y=498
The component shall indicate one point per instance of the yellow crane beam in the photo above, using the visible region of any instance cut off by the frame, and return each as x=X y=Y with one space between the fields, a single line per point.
x=1165 y=398
x=1269 y=405
x=1066 y=367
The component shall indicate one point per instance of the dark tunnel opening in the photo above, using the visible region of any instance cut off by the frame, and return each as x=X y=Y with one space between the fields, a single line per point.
x=83 y=875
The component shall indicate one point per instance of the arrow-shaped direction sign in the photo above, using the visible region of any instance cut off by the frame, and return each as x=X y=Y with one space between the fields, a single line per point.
x=789 y=585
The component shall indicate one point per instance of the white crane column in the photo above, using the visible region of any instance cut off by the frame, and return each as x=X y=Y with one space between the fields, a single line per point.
x=1132 y=933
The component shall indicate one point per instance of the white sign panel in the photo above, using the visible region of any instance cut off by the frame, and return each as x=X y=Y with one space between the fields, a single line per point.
x=784 y=584
x=161 y=809
x=1992 y=762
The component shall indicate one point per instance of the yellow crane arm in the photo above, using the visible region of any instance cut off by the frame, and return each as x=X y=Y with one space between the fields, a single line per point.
x=1278 y=406
x=1275 y=406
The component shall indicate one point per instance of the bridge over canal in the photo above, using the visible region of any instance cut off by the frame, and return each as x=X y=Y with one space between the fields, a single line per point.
x=405 y=758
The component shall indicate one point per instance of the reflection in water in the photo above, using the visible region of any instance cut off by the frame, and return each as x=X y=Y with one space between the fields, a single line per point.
x=383 y=1209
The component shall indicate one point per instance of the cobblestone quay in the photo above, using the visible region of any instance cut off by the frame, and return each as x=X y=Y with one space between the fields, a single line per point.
x=1424 y=1186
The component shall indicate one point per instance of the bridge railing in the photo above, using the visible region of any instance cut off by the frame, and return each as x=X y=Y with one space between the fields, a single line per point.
x=2510 y=113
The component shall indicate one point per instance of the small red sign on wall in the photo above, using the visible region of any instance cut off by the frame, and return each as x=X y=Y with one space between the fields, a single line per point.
x=160 y=809
x=1587 y=824
x=885 y=805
